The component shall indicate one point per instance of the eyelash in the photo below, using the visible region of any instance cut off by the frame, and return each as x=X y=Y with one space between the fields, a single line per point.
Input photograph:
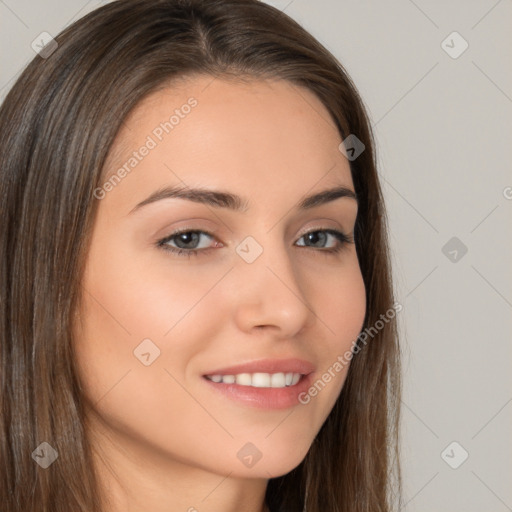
x=342 y=239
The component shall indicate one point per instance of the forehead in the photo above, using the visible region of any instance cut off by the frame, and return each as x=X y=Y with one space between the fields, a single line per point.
x=258 y=136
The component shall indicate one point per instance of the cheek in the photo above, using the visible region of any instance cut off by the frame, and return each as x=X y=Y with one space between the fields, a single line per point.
x=126 y=302
x=143 y=300
x=340 y=306
x=124 y=310
x=348 y=311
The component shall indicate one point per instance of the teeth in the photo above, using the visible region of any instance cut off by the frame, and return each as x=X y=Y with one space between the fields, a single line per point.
x=259 y=380
x=244 y=379
x=295 y=379
x=277 y=380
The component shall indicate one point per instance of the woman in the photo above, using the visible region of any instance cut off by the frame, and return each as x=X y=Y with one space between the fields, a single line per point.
x=197 y=308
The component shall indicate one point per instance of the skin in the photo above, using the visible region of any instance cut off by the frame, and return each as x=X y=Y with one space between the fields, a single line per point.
x=163 y=439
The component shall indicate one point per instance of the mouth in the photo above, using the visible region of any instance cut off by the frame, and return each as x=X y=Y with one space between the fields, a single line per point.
x=259 y=379
x=263 y=383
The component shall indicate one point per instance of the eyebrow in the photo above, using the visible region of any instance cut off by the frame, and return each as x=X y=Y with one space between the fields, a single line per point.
x=224 y=199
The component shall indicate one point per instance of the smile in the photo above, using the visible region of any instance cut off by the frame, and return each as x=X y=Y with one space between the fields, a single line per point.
x=258 y=380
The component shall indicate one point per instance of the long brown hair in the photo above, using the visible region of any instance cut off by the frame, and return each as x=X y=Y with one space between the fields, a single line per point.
x=57 y=125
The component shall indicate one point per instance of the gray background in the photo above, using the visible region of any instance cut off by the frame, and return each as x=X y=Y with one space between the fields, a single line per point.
x=443 y=130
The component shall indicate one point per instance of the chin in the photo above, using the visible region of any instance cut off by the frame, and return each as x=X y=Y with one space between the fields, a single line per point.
x=276 y=462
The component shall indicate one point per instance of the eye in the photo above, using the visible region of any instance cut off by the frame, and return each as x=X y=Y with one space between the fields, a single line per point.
x=187 y=242
x=320 y=238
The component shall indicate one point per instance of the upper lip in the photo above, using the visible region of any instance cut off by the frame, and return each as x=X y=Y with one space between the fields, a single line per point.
x=292 y=365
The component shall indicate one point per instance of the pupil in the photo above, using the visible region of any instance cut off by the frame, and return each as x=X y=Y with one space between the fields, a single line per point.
x=316 y=236
x=187 y=238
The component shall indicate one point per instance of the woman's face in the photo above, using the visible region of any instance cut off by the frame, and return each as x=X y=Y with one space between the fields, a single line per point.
x=248 y=285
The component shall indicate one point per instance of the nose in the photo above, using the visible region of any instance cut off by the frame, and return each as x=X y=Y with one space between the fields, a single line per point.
x=269 y=295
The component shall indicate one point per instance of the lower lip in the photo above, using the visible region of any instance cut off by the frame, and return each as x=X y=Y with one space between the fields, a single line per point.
x=264 y=398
